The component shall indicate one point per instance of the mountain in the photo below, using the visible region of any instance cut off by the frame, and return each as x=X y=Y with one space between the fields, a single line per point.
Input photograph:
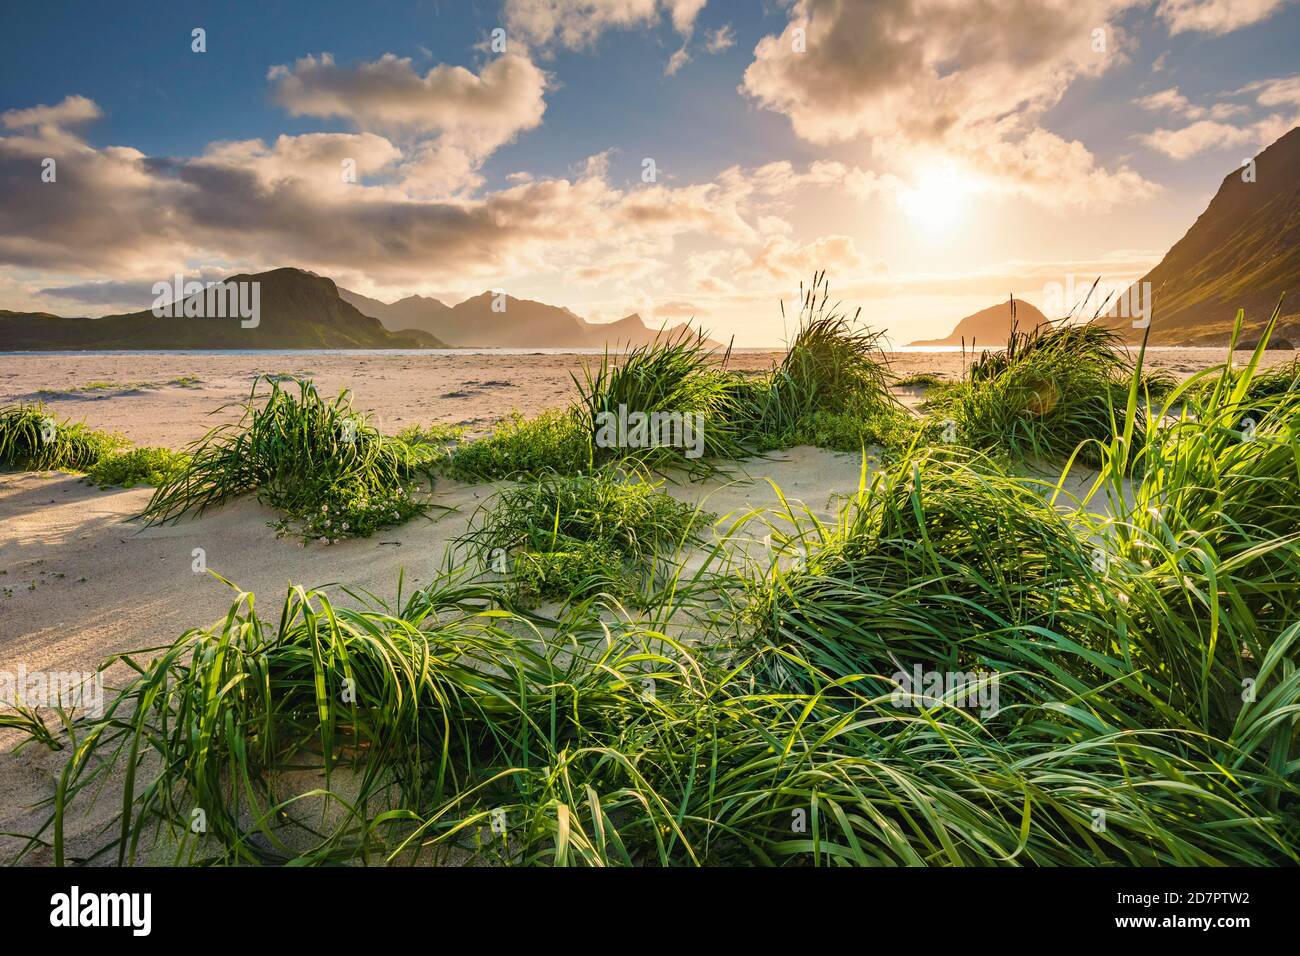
x=991 y=327
x=414 y=312
x=514 y=323
x=1243 y=252
x=295 y=310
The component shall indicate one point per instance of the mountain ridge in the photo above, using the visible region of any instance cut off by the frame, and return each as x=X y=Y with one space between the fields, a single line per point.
x=296 y=310
x=300 y=309
x=991 y=326
x=520 y=323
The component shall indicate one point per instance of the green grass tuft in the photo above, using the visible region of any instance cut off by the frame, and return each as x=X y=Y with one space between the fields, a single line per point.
x=32 y=439
x=138 y=466
x=680 y=376
x=920 y=380
x=1051 y=391
x=324 y=465
x=831 y=389
x=518 y=447
x=577 y=536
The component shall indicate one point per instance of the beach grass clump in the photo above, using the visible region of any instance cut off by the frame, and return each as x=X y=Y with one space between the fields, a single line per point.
x=833 y=363
x=760 y=778
x=681 y=380
x=323 y=464
x=1206 y=546
x=33 y=439
x=563 y=537
x=1263 y=383
x=424 y=696
x=943 y=561
x=437 y=436
x=137 y=466
x=1279 y=380
x=415 y=726
x=870 y=427
x=442 y=731
x=554 y=442
x=1052 y=391
x=832 y=387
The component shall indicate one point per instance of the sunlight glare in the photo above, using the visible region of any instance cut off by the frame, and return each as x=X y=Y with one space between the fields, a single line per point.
x=937 y=200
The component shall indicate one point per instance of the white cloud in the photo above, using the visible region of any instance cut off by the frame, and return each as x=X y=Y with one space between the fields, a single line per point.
x=915 y=78
x=73 y=109
x=723 y=38
x=1197 y=137
x=785 y=260
x=677 y=61
x=1215 y=16
x=389 y=95
x=119 y=214
x=1173 y=102
x=715 y=41
x=576 y=24
x=1282 y=91
x=456 y=117
x=1166 y=100
x=1210 y=127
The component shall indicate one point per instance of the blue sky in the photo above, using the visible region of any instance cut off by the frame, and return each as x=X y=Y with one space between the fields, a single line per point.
x=161 y=102
x=932 y=155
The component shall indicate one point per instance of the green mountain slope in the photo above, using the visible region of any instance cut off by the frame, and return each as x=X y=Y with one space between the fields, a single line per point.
x=298 y=310
x=1243 y=252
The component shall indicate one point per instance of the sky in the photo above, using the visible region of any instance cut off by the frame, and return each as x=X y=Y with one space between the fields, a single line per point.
x=683 y=159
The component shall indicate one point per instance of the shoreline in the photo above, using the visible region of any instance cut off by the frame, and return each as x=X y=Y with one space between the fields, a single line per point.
x=174 y=398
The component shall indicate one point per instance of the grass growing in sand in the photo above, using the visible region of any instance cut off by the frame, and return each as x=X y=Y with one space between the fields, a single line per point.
x=830 y=389
x=519 y=447
x=33 y=439
x=1208 y=553
x=1116 y=689
x=572 y=537
x=921 y=380
x=323 y=464
x=1051 y=391
x=684 y=377
x=138 y=466
x=185 y=381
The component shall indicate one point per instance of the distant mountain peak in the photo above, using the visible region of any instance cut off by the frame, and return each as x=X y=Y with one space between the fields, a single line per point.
x=991 y=327
x=297 y=309
x=522 y=323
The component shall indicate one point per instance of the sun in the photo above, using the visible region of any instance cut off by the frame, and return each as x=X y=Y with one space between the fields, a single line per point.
x=938 y=198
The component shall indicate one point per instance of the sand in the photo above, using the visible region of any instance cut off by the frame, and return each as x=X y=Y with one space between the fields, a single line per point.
x=81 y=580
x=86 y=581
